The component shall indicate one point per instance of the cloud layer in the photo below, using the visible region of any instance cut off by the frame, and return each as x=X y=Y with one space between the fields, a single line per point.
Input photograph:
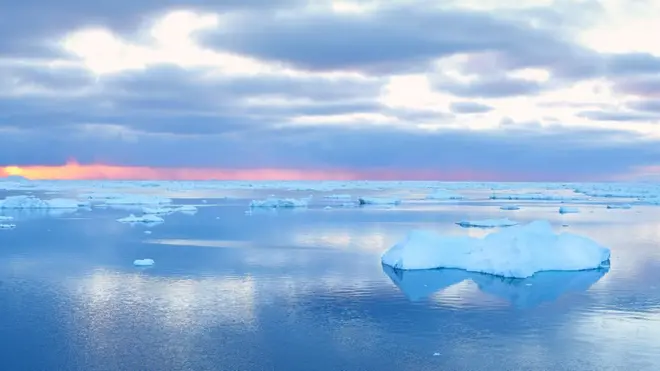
x=379 y=89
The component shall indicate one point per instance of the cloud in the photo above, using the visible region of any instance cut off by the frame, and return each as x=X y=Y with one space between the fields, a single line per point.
x=502 y=153
x=618 y=116
x=469 y=107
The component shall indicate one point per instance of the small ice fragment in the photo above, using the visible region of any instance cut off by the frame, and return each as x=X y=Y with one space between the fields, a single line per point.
x=272 y=202
x=441 y=194
x=568 y=210
x=7 y=226
x=146 y=218
x=487 y=223
x=143 y=262
x=147 y=232
x=5 y=218
x=510 y=207
x=619 y=206
x=378 y=201
x=327 y=208
x=436 y=354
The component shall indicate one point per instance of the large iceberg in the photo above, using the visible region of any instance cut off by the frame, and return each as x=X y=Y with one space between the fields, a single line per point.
x=518 y=251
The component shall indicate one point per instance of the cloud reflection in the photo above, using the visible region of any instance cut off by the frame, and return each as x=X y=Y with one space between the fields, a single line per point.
x=530 y=292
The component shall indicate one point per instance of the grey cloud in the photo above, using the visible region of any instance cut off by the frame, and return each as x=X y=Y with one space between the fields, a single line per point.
x=618 y=116
x=469 y=107
x=652 y=106
x=648 y=86
x=519 y=153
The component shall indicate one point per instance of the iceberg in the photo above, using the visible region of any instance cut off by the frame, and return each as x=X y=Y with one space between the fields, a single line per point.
x=274 y=203
x=7 y=226
x=146 y=218
x=518 y=251
x=487 y=223
x=542 y=287
x=440 y=194
x=378 y=201
x=143 y=262
x=568 y=210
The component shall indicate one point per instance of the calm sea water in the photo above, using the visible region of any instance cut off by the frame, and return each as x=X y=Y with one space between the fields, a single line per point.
x=304 y=290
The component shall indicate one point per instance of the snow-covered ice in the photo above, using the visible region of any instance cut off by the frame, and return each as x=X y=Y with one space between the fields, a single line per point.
x=379 y=201
x=32 y=202
x=568 y=210
x=487 y=223
x=146 y=218
x=273 y=202
x=519 y=251
x=143 y=262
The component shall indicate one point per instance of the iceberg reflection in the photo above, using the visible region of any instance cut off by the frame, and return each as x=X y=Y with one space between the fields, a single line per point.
x=543 y=287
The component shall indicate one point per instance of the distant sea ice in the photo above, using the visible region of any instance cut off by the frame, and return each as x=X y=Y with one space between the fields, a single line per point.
x=379 y=201
x=517 y=252
x=487 y=223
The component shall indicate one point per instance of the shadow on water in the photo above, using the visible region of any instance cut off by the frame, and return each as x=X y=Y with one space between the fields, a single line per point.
x=543 y=287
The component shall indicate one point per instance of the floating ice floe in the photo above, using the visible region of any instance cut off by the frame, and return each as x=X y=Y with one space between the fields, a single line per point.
x=32 y=202
x=378 y=201
x=7 y=226
x=440 y=194
x=338 y=197
x=568 y=210
x=117 y=199
x=519 y=251
x=274 y=203
x=327 y=208
x=146 y=218
x=619 y=206
x=143 y=262
x=531 y=196
x=510 y=207
x=5 y=218
x=487 y=223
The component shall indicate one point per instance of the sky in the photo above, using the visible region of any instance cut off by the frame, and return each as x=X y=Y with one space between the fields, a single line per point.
x=501 y=90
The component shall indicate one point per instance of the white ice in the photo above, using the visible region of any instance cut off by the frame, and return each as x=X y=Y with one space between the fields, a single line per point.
x=32 y=202
x=531 y=196
x=7 y=226
x=519 y=251
x=487 y=223
x=272 y=202
x=143 y=262
x=146 y=218
x=379 y=201
x=568 y=210
x=510 y=207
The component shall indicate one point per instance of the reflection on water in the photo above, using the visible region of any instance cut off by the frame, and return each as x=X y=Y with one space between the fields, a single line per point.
x=529 y=292
x=305 y=290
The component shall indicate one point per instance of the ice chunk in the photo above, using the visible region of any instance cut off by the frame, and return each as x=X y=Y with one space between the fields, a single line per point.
x=157 y=210
x=510 y=207
x=143 y=262
x=32 y=202
x=146 y=218
x=487 y=223
x=130 y=200
x=7 y=226
x=272 y=202
x=440 y=194
x=338 y=197
x=327 y=208
x=531 y=196
x=378 y=201
x=519 y=251
x=619 y=206
x=568 y=210
x=187 y=209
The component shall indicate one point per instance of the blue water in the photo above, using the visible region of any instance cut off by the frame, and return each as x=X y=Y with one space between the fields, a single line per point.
x=304 y=290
